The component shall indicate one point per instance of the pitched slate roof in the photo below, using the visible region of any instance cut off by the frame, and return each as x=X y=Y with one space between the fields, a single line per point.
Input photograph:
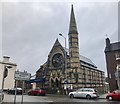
x=84 y=61
x=87 y=62
x=113 y=47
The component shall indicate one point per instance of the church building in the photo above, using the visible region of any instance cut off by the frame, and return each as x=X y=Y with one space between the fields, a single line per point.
x=66 y=68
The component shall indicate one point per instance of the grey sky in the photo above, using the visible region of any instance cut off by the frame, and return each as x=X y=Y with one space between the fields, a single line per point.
x=29 y=30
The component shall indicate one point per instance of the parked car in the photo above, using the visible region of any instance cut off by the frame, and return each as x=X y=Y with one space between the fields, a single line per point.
x=1 y=96
x=84 y=93
x=37 y=91
x=115 y=95
x=12 y=91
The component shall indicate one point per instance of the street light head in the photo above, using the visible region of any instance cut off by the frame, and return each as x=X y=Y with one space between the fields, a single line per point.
x=60 y=34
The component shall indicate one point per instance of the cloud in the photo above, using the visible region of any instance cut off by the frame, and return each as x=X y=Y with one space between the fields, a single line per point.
x=30 y=29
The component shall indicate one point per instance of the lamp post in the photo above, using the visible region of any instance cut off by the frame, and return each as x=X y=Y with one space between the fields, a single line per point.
x=5 y=72
x=65 y=81
x=64 y=51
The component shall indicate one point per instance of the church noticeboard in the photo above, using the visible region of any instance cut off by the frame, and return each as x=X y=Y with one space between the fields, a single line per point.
x=22 y=76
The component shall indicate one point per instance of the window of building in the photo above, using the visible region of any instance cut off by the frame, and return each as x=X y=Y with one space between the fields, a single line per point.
x=110 y=75
x=117 y=55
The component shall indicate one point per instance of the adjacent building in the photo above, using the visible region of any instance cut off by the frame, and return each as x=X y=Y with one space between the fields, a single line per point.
x=11 y=67
x=66 y=68
x=112 y=53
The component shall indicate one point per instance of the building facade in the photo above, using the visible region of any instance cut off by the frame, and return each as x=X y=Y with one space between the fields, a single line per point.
x=112 y=53
x=66 y=68
x=9 y=80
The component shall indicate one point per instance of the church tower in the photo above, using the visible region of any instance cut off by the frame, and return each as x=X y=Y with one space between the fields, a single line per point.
x=74 y=46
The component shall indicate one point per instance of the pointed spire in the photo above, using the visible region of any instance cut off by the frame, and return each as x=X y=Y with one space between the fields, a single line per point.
x=72 y=27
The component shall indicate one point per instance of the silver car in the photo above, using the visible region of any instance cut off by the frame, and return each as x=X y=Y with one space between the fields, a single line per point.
x=84 y=93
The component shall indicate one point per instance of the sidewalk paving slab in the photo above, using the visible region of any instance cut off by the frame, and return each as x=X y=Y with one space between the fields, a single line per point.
x=102 y=96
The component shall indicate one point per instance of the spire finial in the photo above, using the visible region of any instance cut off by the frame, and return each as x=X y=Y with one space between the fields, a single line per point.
x=72 y=5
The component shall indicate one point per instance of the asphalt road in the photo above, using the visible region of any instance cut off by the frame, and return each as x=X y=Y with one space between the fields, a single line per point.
x=53 y=99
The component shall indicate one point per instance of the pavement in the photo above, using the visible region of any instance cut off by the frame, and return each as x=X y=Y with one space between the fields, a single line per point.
x=101 y=96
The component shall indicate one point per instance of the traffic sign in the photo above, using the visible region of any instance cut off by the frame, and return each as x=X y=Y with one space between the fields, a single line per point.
x=21 y=75
x=65 y=81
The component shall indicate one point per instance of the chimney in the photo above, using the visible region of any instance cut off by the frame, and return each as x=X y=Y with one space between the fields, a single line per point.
x=6 y=59
x=107 y=42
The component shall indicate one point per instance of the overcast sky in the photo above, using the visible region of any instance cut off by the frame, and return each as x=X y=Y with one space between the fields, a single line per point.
x=29 y=30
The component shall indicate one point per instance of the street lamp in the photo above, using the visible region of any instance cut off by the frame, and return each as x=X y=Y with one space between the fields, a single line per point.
x=65 y=81
x=5 y=73
x=64 y=51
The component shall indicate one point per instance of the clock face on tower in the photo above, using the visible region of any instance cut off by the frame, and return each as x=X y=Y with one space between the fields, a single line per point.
x=57 y=60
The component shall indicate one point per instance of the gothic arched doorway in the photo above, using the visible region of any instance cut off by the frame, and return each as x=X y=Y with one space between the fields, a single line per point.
x=57 y=83
x=52 y=83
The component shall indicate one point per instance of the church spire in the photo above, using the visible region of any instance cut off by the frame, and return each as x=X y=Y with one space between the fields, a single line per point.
x=74 y=44
x=72 y=27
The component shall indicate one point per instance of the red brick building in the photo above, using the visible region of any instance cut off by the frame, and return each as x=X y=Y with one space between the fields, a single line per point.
x=112 y=53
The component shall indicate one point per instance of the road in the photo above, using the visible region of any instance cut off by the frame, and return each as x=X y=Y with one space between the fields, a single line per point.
x=54 y=99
